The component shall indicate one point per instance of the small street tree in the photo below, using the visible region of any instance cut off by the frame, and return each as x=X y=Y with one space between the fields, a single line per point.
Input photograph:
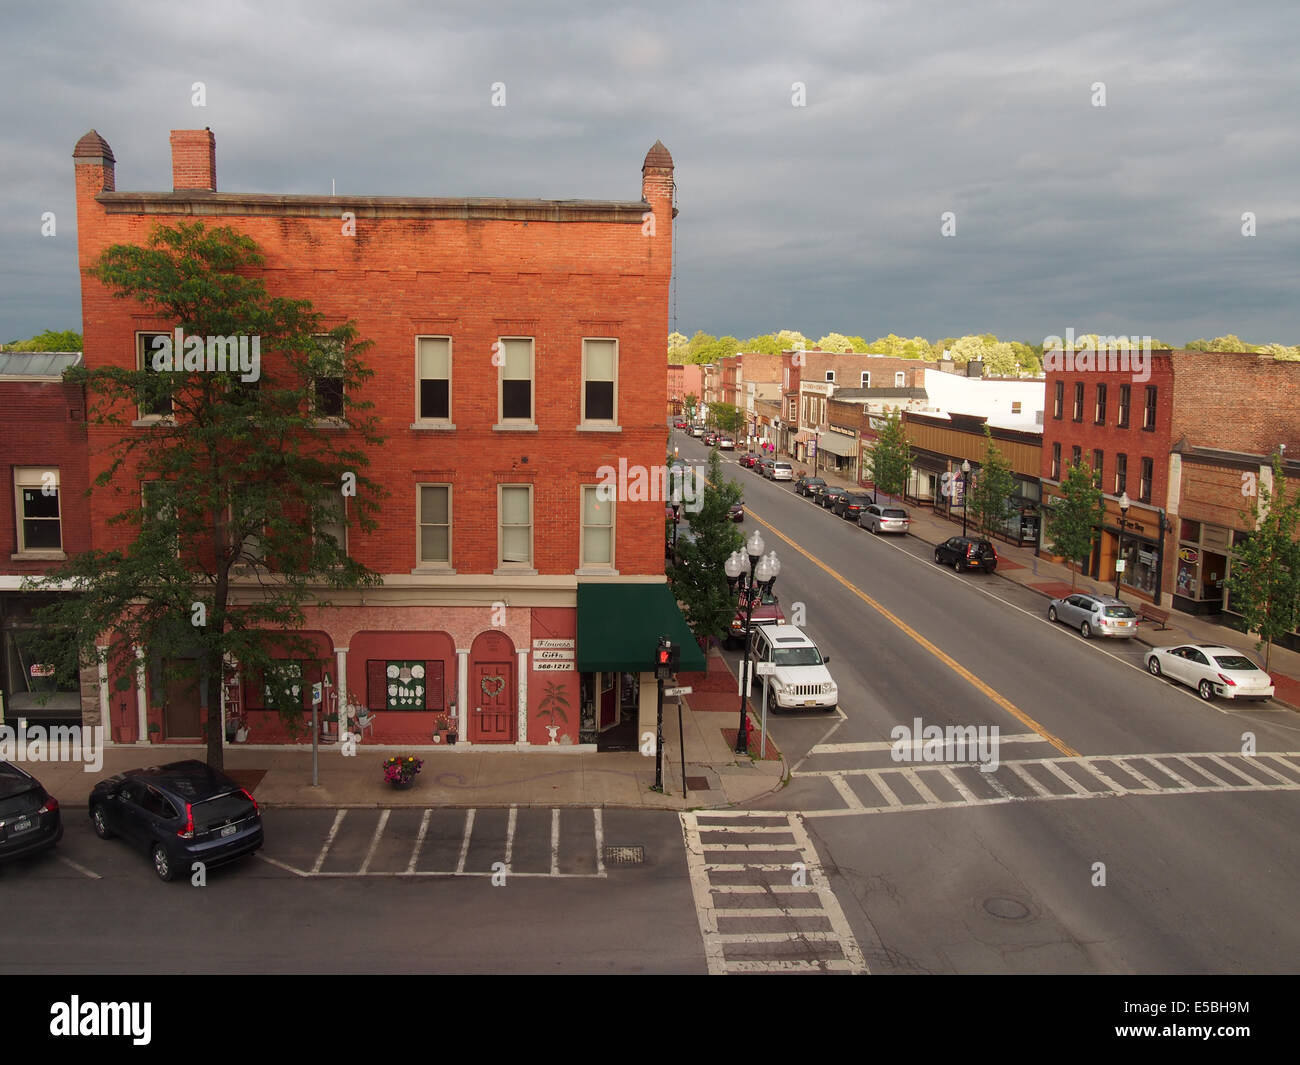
x=689 y=402
x=727 y=417
x=891 y=458
x=989 y=496
x=1074 y=518
x=234 y=498
x=1264 y=586
x=697 y=576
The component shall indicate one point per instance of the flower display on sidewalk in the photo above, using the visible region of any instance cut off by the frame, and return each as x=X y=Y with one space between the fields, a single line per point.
x=402 y=770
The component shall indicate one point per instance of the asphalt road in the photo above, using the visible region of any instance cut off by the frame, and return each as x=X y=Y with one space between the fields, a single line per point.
x=1196 y=879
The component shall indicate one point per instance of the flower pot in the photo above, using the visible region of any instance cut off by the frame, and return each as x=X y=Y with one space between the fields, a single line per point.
x=402 y=785
x=241 y=735
x=451 y=737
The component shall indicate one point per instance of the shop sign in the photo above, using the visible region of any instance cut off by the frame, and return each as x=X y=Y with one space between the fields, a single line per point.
x=1146 y=558
x=1188 y=554
x=552 y=656
x=553 y=667
x=549 y=645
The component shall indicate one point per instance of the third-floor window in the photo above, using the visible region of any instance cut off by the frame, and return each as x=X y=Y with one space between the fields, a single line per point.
x=434 y=398
x=1149 y=411
x=1078 y=401
x=1099 y=412
x=1125 y=399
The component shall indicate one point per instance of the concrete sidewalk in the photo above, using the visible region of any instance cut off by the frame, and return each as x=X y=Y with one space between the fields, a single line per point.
x=1052 y=580
x=468 y=776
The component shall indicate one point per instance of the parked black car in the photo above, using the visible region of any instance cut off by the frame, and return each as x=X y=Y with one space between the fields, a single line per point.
x=180 y=813
x=851 y=504
x=29 y=815
x=830 y=495
x=963 y=552
x=805 y=485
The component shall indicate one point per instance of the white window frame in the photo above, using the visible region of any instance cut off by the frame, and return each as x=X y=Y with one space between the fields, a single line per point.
x=585 y=566
x=34 y=477
x=900 y=379
x=529 y=423
x=422 y=422
x=340 y=419
x=143 y=361
x=601 y=423
x=830 y=376
x=866 y=379
x=420 y=562
x=515 y=567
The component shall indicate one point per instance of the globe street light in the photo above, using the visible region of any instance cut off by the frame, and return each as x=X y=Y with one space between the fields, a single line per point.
x=1124 y=503
x=763 y=571
x=965 y=477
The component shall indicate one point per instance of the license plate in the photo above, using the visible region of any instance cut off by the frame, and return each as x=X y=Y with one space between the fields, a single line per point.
x=23 y=824
x=810 y=702
x=229 y=830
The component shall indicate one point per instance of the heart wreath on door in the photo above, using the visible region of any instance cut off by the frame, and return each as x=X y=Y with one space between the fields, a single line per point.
x=492 y=686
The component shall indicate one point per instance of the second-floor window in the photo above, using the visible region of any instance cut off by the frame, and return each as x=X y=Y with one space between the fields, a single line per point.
x=1056 y=462
x=434 y=520
x=1078 y=401
x=1076 y=454
x=36 y=490
x=1058 y=400
x=157 y=500
x=1015 y=406
x=434 y=399
x=159 y=401
x=1098 y=459
x=830 y=376
x=1121 y=474
x=866 y=379
x=597 y=540
x=334 y=521
x=1099 y=413
x=1149 y=412
x=516 y=528
x=1125 y=399
x=327 y=390
x=1144 y=489
x=516 y=400
x=599 y=378
x=900 y=379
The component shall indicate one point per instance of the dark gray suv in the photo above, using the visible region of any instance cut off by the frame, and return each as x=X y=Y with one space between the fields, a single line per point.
x=179 y=814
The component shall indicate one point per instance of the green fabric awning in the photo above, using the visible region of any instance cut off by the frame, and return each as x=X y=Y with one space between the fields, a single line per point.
x=619 y=626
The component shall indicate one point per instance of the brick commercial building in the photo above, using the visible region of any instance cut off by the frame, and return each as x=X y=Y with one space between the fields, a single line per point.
x=518 y=347
x=1182 y=436
x=43 y=441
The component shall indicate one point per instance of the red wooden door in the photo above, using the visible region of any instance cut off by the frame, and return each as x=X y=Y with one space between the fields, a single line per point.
x=493 y=696
x=608 y=700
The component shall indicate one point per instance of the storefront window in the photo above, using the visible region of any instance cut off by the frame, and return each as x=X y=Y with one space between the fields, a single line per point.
x=1191 y=530
x=1142 y=560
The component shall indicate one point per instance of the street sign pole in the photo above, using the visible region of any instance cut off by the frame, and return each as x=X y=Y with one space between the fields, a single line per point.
x=764 y=669
x=315 y=734
x=681 y=741
x=659 y=742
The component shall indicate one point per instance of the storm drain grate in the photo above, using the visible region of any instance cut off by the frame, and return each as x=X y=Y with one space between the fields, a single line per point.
x=698 y=783
x=624 y=855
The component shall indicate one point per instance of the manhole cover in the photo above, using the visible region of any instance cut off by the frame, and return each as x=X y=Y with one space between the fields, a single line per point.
x=1007 y=909
x=624 y=855
x=698 y=783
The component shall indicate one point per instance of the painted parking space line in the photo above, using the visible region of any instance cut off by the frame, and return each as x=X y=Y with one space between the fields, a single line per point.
x=329 y=841
x=79 y=868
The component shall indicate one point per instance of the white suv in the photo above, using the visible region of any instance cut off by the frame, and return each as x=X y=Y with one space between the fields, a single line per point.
x=800 y=679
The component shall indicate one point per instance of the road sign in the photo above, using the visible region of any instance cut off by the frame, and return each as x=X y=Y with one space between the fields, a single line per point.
x=315 y=694
x=677 y=691
x=765 y=669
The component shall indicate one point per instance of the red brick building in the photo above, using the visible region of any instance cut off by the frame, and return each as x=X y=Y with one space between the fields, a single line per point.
x=497 y=555
x=684 y=380
x=43 y=441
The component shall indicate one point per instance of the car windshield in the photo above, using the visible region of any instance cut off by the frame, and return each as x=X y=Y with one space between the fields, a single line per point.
x=893 y=512
x=1237 y=662
x=1119 y=612
x=797 y=656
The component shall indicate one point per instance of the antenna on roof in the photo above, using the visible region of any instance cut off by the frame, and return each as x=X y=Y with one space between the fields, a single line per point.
x=331 y=186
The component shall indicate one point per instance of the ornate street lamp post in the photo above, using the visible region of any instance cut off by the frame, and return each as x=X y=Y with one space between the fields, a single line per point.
x=965 y=479
x=1124 y=503
x=763 y=571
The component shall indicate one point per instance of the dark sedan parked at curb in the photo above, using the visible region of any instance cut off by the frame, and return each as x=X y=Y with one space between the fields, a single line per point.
x=29 y=815
x=962 y=552
x=180 y=813
x=830 y=495
x=1095 y=615
x=805 y=485
x=850 y=505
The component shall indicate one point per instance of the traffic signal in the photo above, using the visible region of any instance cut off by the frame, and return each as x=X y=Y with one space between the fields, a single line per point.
x=666 y=659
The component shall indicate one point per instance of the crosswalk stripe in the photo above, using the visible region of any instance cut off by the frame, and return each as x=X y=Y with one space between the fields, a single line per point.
x=1050 y=765
x=1023 y=774
x=886 y=792
x=1257 y=765
x=1129 y=768
x=846 y=793
x=961 y=789
x=1202 y=770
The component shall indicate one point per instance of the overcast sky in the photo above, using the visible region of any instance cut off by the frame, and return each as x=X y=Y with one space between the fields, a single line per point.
x=1123 y=219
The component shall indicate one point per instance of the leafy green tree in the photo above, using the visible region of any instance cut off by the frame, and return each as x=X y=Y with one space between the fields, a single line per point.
x=891 y=457
x=697 y=576
x=241 y=528
x=678 y=348
x=791 y=340
x=990 y=493
x=836 y=342
x=727 y=417
x=48 y=340
x=1074 y=518
x=689 y=402
x=1264 y=586
x=766 y=344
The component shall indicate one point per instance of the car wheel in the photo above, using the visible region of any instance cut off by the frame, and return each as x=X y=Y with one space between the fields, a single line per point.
x=1205 y=690
x=937 y=558
x=1085 y=630
x=100 y=823
x=1051 y=613
x=162 y=863
x=956 y=564
x=1153 y=666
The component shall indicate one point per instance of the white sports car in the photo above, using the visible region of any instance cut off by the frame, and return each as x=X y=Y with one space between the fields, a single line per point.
x=1211 y=670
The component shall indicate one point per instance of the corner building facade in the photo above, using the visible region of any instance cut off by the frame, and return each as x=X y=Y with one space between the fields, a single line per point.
x=517 y=348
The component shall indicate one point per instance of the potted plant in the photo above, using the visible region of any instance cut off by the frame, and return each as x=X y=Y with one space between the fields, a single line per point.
x=401 y=772
x=155 y=731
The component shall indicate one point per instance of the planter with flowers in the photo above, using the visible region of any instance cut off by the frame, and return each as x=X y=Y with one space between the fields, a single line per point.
x=444 y=728
x=400 y=772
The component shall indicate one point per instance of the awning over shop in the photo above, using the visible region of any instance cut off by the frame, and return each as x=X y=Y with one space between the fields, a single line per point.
x=839 y=444
x=619 y=626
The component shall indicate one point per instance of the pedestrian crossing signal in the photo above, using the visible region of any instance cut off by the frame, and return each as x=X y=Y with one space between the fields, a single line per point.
x=666 y=660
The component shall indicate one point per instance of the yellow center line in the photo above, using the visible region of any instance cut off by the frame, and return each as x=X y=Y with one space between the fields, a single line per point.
x=943 y=657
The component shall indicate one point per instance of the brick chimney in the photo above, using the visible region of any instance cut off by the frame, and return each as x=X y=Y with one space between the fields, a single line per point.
x=96 y=165
x=194 y=160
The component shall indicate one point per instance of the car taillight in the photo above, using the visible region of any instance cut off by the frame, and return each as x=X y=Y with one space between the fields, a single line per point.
x=1227 y=680
x=188 y=831
x=51 y=804
x=970 y=550
x=248 y=795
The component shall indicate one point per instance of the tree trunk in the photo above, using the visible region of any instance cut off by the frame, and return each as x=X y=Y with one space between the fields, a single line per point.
x=215 y=726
